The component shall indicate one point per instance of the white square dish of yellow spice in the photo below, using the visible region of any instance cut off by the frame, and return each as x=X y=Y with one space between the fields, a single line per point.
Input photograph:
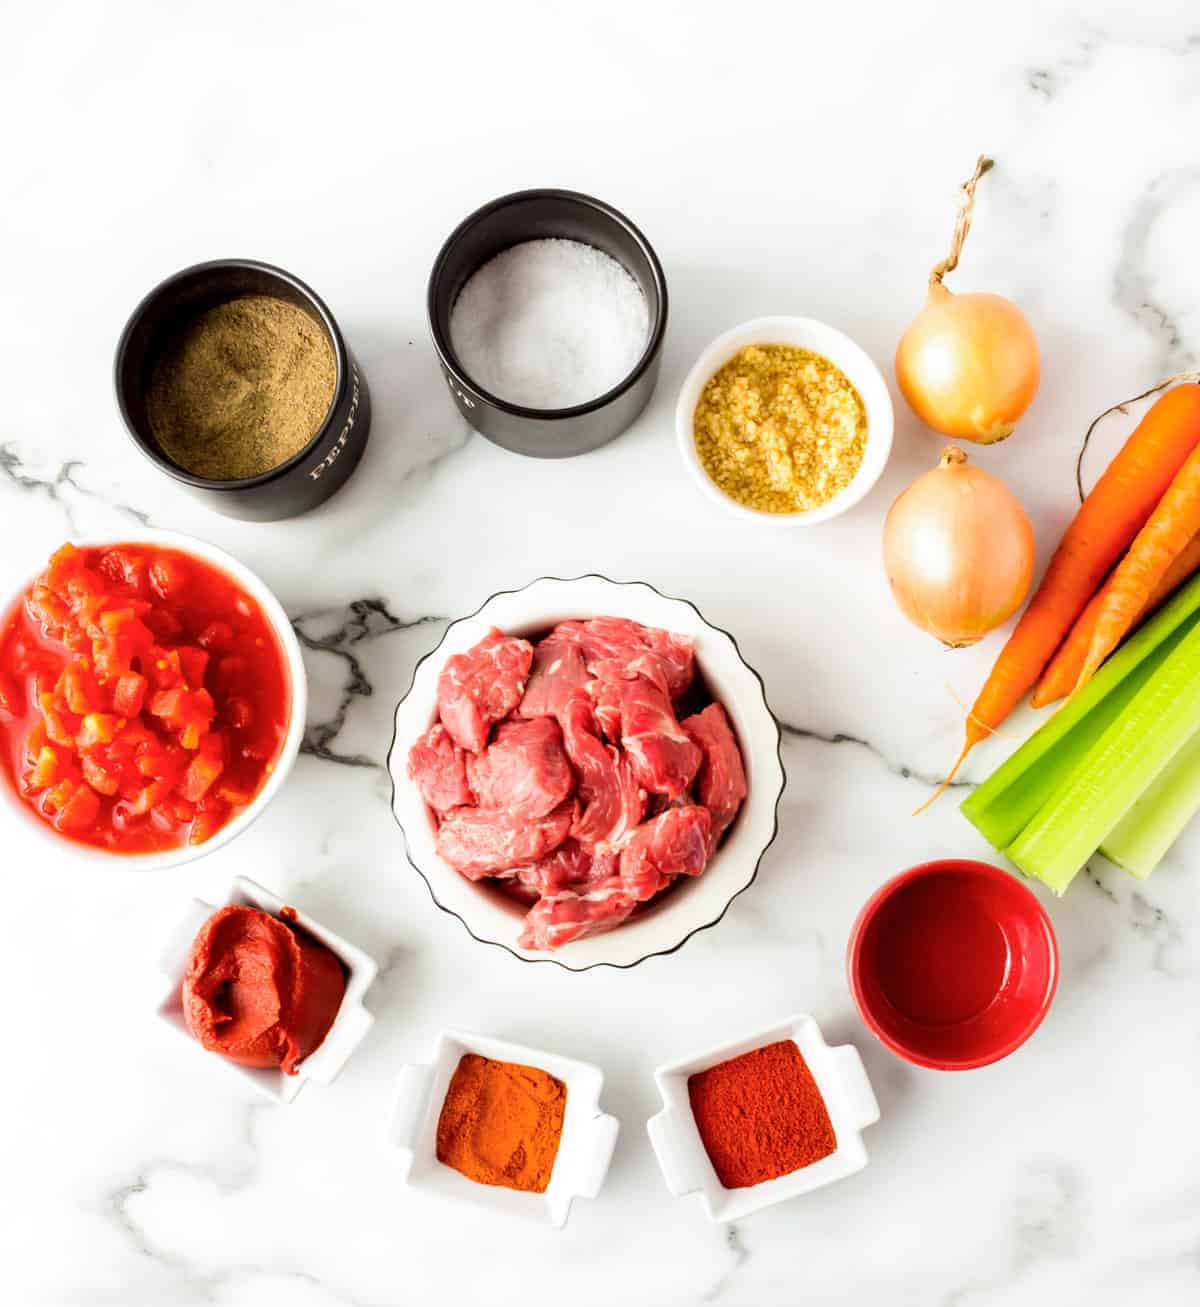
x=785 y=420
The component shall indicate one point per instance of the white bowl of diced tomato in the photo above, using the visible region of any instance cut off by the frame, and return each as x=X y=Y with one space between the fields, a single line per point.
x=586 y=772
x=152 y=699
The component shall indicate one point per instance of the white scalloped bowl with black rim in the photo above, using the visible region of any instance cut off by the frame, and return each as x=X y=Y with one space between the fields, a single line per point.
x=690 y=905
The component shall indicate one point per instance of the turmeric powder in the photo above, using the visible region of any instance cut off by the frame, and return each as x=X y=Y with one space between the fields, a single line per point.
x=501 y=1123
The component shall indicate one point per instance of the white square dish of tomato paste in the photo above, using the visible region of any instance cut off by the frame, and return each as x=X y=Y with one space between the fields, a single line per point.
x=842 y=1082
x=349 y=1027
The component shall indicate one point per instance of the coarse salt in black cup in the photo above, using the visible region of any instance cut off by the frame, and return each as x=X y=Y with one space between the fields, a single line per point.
x=541 y=215
x=300 y=482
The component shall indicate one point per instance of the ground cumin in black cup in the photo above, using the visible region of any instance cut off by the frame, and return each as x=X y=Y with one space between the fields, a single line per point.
x=312 y=467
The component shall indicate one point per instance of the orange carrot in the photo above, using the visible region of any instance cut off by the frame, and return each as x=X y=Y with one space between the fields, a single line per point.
x=1060 y=677
x=1104 y=527
x=1157 y=545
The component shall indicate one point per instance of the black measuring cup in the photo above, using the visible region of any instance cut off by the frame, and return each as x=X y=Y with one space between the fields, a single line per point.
x=310 y=476
x=539 y=215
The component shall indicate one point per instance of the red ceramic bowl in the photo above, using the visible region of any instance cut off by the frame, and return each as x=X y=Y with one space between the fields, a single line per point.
x=953 y=964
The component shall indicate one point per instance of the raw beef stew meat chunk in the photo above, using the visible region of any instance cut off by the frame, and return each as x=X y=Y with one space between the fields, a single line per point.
x=597 y=655
x=618 y=641
x=482 y=686
x=721 y=782
x=479 y=842
x=524 y=771
x=570 y=866
x=439 y=768
x=558 y=673
x=557 y=919
x=663 y=756
x=675 y=843
x=613 y=803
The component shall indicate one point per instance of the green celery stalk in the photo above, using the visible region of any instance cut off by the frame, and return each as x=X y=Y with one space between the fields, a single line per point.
x=1006 y=802
x=1118 y=769
x=1052 y=758
x=1142 y=838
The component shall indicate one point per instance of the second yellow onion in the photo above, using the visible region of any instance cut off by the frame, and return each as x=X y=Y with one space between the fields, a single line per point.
x=959 y=551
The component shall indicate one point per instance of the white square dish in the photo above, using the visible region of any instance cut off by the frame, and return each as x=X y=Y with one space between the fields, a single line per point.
x=584 y=1152
x=681 y=1154
x=349 y=1027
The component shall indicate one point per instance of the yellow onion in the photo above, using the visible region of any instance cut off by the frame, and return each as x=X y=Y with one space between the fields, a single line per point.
x=968 y=364
x=958 y=549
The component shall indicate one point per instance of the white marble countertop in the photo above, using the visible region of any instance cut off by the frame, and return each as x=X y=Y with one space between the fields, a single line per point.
x=782 y=159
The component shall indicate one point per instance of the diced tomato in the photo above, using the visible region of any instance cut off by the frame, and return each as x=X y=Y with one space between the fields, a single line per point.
x=189 y=711
x=194 y=662
x=80 y=810
x=124 y=638
x=99 y=778
x=60 y=795
x=127 y=567
x=168 y=575
x=166 y=668
x=164 y=625
x=129 y=694
x=236 y=796
x=60 y=726
x=96 y=728
x=82 y=589
x=216 y=637
x=168 y=704
x=132 y=739
x=48 y=769
x=114 y=621
x=204 y=768
x=125 y=634
x=154 y=793
x=79 y=688
x=162 y=761
x=35 y=741
x=179 y=808
x=213 y=814
x=48 y=610
x=65 y=562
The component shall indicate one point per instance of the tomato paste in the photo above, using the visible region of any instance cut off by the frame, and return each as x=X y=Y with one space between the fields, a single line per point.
x=144 y=697
x=259 y=991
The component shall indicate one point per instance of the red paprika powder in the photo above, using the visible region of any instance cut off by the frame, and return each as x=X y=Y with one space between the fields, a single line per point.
x=761 y=1115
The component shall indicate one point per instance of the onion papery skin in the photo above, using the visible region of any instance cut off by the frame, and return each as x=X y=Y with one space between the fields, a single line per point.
x=969 y=364
x=959 y=552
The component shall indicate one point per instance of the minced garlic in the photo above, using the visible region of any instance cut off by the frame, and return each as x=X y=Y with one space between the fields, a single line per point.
x=780 y=429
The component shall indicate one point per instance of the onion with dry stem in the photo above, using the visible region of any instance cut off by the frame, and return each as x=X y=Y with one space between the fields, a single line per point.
x=959 y=552
x=968 y=364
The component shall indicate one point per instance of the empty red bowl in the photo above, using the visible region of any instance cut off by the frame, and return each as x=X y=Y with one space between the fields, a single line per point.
x=953 y=964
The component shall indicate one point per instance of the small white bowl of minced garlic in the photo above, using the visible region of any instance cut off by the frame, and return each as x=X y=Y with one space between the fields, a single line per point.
x=785 y=420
